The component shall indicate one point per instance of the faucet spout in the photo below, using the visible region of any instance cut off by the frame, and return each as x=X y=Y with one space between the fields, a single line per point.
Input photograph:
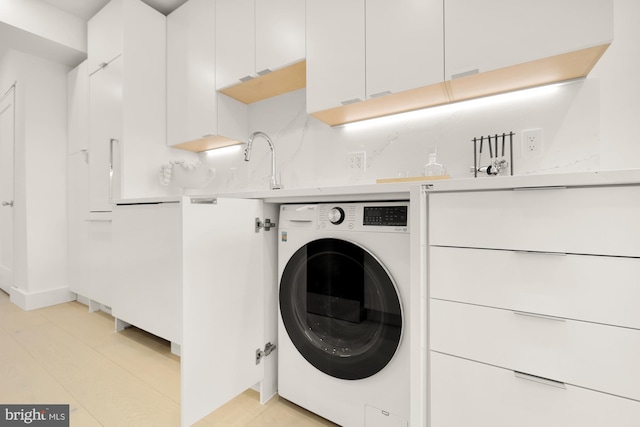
x=274 y=184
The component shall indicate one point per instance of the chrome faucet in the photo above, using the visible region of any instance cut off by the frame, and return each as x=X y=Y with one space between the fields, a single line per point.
x=274 y=184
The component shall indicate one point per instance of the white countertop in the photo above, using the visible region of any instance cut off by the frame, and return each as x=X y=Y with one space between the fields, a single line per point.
x=577 y=179
x=400 y=191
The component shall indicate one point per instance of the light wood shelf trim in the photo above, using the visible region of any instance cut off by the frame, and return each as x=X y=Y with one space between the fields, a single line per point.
x=558 y=68
x=277 y=82
x=401 y=102
x=207 y=143
x=411 y=179
x=554 y=69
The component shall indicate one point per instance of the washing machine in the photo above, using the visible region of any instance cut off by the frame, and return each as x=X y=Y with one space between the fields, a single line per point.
x=343 y=342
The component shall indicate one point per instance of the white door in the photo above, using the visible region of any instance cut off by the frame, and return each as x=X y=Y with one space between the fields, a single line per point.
x=223 y=323
x=7 y=109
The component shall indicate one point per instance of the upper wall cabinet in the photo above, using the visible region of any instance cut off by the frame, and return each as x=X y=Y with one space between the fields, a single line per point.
x=105 y=33
x=368 y=58
x=198 y=118
x=496 y=45
x=127 y=108
x=260 y=48
x=371 y=58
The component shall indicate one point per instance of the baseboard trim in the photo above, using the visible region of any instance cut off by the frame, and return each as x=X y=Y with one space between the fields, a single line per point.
x=35 y=300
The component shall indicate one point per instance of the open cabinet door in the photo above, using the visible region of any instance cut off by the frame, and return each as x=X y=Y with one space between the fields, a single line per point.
x=222 y=303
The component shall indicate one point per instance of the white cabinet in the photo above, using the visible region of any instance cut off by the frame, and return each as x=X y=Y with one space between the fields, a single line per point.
x=235 y=42
x=255 y=37
x=127 y=69
x=198 y=272
x=89 y=233
x=362 y=50
x=467 y=393
x=490 y=34
x=403 y=45
x=260 y=48
x=105 y=35
x=532 y=43
x=335 y=53
x=198 y=118
x=146 y=257
x=229 y=304
x=280 y=34
x=531 y=305
x=105 y=134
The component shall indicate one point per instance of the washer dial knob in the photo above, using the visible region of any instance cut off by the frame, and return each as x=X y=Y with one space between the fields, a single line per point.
x=336 y=215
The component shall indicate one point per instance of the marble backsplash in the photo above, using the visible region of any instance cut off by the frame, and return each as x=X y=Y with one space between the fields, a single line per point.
x=310 y=153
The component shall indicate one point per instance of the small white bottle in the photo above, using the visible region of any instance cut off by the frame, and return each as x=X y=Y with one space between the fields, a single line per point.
x=433 y=168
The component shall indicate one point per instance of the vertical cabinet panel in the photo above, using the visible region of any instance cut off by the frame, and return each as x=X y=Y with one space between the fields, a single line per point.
x=404 y=45
x=335 y=53
x=146 y=267
x=196 y=113
x=280 y=33
x=106 y=130
x=235 y=41
x=363 y=49
x=105 y=35
x=140 y=84
x=191 y=64
x=223 y=304
x=490 y=34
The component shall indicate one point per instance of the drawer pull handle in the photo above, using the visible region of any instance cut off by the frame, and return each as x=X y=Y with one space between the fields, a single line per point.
x=540 y=380
x=542 y=253
x=551 y=187
x=539 y=316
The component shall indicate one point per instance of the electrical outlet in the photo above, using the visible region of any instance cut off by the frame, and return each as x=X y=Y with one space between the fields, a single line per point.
x=532 y=143
x=357 y=161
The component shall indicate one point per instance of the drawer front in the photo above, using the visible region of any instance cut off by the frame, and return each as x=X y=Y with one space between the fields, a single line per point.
x=465 y=393
x=599 y=357
x=595 y=221
x=591 y=288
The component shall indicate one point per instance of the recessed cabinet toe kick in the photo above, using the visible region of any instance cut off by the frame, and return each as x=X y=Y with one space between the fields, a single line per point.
x=533 y=307
x=180 y=267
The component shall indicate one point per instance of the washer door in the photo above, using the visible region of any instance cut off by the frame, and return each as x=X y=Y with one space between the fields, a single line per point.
x=341 y=308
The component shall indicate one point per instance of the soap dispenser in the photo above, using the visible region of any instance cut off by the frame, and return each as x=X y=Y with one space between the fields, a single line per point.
x=433 y=168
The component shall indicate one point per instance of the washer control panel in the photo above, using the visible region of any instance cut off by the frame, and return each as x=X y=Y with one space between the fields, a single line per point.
x=385 y=215
x=372 y=216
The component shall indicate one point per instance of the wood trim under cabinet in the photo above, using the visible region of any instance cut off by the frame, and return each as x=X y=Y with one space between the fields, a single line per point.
x=277 y=82
x=558 y=68
x=207 y=143
x=401 y=102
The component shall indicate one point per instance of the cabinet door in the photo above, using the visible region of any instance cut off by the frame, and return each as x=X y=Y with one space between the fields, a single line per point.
x=105 y=107
x=404 y=45
x=223 y=303
x=335 y=53
x=98 y=270
x=146 y=267
x=490 y=34
x=235 y=41
x=191 y=97
x=105 y=35
x=280 y=33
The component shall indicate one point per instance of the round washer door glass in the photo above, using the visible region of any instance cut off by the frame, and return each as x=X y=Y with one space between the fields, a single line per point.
x=340 y=308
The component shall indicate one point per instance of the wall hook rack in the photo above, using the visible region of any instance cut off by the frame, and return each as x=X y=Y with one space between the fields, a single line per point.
x=498 y=163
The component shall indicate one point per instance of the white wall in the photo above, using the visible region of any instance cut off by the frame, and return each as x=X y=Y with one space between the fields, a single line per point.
x=41 y=270
x=587 y=125
x=46 y=21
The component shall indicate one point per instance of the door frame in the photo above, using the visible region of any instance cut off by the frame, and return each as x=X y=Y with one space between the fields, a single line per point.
x=6 y=281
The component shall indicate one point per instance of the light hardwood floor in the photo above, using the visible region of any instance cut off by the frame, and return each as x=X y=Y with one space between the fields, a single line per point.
x=63 y=354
